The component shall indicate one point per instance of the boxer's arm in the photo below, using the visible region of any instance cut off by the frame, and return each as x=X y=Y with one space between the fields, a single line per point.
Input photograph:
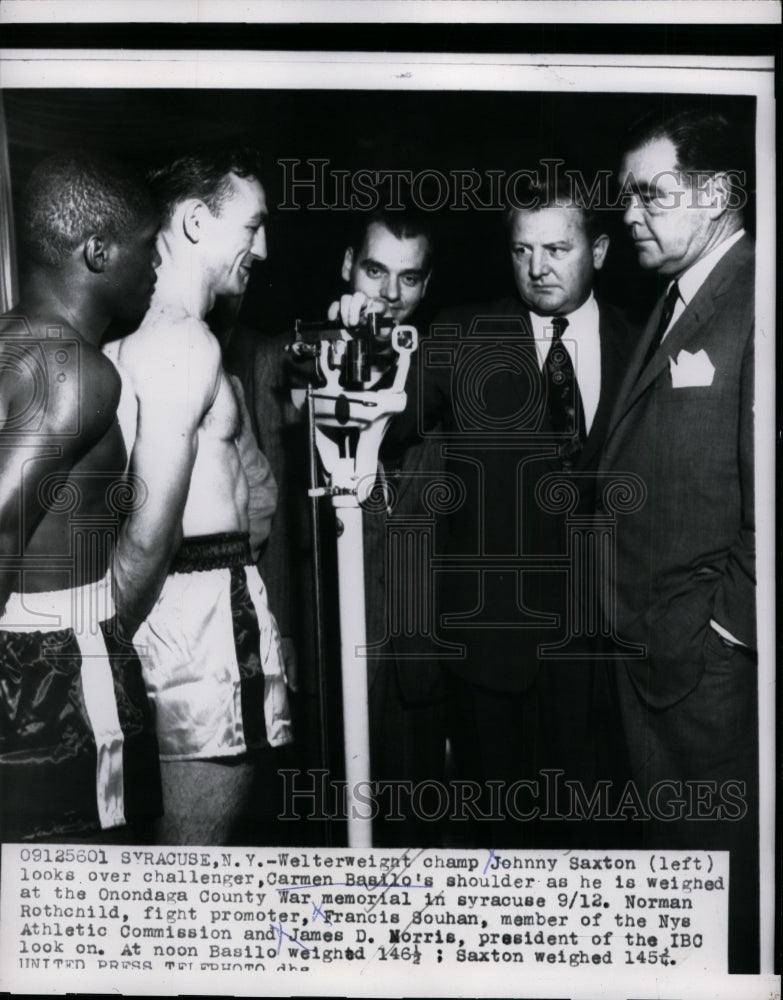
x=261 y=482
x=175 y=374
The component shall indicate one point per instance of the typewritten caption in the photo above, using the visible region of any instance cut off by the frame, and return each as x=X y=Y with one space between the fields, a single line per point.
x=92 y=916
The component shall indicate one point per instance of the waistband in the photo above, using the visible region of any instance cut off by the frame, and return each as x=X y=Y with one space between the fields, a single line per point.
x=77 y=608
x=225 y=550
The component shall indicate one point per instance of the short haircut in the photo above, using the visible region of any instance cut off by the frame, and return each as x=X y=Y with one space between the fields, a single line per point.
x=704 y=141
x=205 y=175
x=72 y=196
x=403 y=224
x=558 y=191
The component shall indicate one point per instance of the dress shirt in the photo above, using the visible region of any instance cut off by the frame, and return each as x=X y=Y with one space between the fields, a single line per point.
x=692 y=279
x=583 y=343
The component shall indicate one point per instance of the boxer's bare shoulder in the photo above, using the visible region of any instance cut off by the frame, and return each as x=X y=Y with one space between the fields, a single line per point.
x=54 y=385
x=173 y=356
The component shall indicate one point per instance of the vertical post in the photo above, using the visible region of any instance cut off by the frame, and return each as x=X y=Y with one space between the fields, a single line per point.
x=353 y=639
x=320 y=648
x=9 y=288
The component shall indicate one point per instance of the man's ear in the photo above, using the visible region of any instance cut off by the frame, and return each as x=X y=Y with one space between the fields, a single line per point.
x=600 y=248
x=347 y=264
x=718 y=191
x=194 y=213
x=96 y=253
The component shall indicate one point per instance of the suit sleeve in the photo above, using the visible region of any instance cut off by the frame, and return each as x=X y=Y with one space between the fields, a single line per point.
x=735 y=600
x=428 y=404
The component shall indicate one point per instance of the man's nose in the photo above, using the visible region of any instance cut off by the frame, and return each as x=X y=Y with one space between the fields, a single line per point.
x=632 y=213
x=391 y=289
x=539 y=263
x=258 y=249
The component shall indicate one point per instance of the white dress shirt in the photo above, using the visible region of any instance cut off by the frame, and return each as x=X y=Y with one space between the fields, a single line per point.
x=583 y=343
x=691 y=280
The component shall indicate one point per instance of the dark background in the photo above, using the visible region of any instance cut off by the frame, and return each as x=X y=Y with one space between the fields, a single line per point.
x=363 y=130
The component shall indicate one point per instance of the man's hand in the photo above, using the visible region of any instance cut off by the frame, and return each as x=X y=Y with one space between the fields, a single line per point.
x=351 y=309
x=290 y=663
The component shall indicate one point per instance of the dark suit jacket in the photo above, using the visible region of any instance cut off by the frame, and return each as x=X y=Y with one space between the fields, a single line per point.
x=687 y=553
x=287 y=561
x=478 y=379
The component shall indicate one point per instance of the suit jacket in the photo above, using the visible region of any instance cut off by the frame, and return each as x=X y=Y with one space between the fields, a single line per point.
x=478 y=379
x=686 y=554
x=399 y=632
x=287 y=561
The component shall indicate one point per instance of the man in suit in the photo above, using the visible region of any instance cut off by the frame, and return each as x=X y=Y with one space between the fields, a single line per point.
x=522 y=398
x=684 y=588
x=386 y=266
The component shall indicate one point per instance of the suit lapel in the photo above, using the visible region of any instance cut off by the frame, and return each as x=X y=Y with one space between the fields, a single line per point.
x=615 y=339
x=698 y=312
x=508 y=314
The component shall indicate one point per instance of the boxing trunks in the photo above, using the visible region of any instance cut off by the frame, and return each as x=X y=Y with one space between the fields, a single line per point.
x=78 y=751
x=211 y=655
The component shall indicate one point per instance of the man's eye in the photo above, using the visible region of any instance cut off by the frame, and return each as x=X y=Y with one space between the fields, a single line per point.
x=558 y=252
x=373 y=272
x=637 y=198
x=411 y=280
x=520 y=251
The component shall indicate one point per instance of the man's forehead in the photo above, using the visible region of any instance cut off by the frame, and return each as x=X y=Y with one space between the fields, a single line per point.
x=380 y=244
x=548 y=221
x=248 y=191
x=650 y=163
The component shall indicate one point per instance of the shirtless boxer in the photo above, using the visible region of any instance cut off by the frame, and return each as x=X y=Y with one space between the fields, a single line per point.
x=209 y=644
x=77 y=746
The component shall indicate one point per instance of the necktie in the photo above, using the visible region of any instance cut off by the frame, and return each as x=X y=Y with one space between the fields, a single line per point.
x=564 y=401
x=666 y=315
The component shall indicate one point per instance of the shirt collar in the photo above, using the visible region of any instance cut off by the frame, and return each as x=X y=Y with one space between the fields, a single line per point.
x=542 y=325
x=691 y=280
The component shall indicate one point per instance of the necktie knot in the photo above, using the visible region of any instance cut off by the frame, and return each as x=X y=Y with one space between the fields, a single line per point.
x=559 y=325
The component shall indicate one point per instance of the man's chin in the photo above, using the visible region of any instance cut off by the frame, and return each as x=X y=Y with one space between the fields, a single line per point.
x=545 y=305
x=648 y=258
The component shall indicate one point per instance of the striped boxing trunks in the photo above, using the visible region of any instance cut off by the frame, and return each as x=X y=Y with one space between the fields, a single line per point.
x=211 y=655
x=78 y=751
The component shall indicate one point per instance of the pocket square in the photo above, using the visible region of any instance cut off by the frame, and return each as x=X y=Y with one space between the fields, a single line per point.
x=691 y=369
